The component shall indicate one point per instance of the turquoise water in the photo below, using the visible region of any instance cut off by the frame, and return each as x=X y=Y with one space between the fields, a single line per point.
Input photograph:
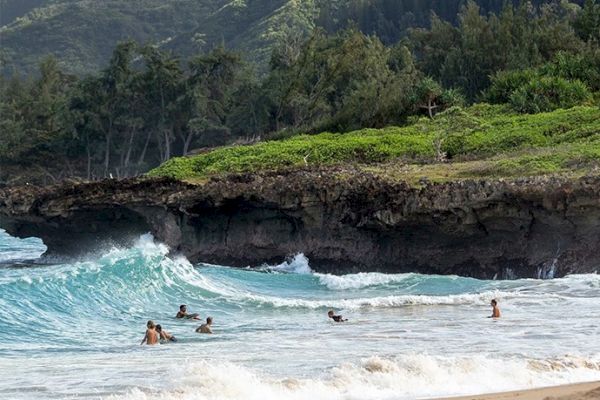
x=73 y=330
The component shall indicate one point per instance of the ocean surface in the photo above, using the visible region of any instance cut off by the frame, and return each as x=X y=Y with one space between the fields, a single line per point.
x=72 y=330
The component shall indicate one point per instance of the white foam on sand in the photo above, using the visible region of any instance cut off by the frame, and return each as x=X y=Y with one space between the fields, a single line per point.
x=404 y=377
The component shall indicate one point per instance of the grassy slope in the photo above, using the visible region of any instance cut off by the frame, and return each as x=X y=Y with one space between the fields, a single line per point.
x=481 y=141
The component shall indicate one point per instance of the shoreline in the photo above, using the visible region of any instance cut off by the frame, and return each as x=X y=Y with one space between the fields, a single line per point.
x=574 y=391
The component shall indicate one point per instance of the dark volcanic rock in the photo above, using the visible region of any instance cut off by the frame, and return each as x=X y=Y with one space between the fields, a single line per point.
x=343 y=220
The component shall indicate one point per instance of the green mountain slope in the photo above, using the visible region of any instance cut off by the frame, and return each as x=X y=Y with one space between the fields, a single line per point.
x=82 y=33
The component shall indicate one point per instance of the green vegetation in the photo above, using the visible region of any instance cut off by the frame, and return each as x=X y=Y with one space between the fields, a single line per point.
x=150 y=104
x=565 y=81
x=82 y=33
x=482 y=140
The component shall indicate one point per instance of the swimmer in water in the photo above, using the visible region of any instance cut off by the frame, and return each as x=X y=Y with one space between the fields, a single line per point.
x=151 y=337
x=205 y=328
x=336 y=318
x=182 y=313
x=495 y=309
x=164 y=335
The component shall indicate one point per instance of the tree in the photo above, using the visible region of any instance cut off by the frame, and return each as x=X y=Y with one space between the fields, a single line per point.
x=162 y=83
x=587 y=23
x=467 y=55
x=208 y=94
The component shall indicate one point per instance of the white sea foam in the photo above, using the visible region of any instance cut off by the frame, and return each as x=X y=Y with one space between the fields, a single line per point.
x=360 y=280
x=380 y=301
x=296 y=265
x=404 y=377
x=14 y=249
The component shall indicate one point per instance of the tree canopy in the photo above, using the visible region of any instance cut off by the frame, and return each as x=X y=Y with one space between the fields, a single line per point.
x=150 y=104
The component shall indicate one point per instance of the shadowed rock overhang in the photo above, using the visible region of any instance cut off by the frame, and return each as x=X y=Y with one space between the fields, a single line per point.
x=342 y=220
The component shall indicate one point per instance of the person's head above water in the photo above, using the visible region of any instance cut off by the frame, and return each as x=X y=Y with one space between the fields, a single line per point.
x=182 y=307
x=151 y=324
x=330 y=313
x=209 y=320
x=158 y=328
x=494 y=303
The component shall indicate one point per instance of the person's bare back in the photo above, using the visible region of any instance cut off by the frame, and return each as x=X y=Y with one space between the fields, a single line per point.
x=495 y=309
x=151 y=337
x=205 y=328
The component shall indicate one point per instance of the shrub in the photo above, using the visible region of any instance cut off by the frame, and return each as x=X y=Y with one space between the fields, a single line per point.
x=547 y=94
x=584 y=67
x=505 y=83
x=472 y=133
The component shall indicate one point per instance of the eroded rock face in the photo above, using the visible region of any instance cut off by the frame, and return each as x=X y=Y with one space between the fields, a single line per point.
x=342 y=220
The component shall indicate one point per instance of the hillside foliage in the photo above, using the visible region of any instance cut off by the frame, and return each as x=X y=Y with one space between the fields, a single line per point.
x=530 y=144
x=150 y=104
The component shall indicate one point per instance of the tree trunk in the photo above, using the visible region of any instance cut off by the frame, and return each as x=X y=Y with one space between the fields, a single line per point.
x=167 y=152
x=89 y=160
x=125 y=164
x=187 y=143
x=107 y=148
x=143 y=154
x=430 y=109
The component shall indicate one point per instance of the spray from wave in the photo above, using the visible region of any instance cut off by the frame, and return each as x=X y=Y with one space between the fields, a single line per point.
x=13 y=250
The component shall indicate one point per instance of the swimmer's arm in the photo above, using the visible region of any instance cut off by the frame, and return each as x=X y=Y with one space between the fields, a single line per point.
x=198 y=329
x=145 y=338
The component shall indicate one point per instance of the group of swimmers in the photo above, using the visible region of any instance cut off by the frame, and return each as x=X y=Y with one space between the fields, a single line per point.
x=155 y=334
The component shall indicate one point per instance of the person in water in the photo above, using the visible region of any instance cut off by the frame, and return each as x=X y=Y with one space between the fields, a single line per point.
x=164 y=335
x=151 y=337
x=205 y=328
x=495 y=309
x=182 y=313
x=336 y=318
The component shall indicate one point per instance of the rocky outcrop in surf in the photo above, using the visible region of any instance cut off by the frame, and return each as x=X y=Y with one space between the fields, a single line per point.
x=342 y=219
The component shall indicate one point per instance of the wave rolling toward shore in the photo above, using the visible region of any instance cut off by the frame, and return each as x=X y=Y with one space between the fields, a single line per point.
x=73 y=330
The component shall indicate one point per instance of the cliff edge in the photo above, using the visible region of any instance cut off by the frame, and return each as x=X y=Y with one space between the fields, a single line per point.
x=343 y=219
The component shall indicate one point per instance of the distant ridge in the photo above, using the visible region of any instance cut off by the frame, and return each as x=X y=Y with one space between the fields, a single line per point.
x=83 y=33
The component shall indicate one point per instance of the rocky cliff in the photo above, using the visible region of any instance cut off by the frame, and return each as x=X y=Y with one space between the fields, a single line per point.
x=343 y=220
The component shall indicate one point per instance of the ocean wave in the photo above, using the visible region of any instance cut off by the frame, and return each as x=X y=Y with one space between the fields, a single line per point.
x=14 y=249
x=297 y=264
x=402 y=377
x=130 y=280
x=390 y=301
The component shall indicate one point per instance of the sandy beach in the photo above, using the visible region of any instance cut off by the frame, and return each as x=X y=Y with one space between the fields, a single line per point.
x=577 y=391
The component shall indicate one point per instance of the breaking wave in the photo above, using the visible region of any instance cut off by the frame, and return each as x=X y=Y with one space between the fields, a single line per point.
x=404 y=377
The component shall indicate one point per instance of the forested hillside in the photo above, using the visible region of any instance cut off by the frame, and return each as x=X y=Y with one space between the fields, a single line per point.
x=81 y=34
x=150 y=103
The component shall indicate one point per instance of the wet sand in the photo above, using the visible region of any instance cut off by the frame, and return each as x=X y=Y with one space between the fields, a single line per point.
x=578 y=391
